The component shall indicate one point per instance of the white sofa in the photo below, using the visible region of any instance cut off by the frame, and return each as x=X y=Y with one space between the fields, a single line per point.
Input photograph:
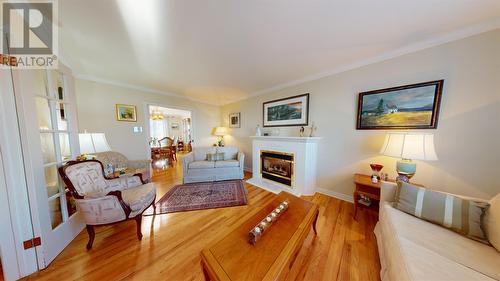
x=196 y=167
x=413 y=249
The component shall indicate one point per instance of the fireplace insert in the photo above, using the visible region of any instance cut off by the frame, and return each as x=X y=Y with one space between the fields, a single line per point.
x=277 y=166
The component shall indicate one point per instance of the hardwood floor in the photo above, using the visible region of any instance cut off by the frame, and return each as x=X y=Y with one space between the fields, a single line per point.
x=345 y=249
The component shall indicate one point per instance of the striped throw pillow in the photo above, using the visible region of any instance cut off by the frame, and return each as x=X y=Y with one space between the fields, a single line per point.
x=453 y=212
x=215 y=156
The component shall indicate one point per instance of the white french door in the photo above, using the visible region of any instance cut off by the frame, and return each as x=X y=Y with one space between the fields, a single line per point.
x=49 y=135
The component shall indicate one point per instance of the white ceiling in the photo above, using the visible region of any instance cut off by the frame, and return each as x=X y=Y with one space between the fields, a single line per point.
x=219 y=51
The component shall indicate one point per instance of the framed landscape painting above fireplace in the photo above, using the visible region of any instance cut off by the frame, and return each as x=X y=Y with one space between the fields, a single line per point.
x=413 y=106
x=291 y=111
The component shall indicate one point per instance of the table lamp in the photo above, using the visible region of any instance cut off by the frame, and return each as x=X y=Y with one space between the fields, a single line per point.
x=220 y=132
x=408 y=147
x=91 y=143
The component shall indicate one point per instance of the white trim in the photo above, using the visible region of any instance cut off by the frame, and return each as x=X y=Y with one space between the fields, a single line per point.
x=412 y=48
x=335 y=194
x=138 y=88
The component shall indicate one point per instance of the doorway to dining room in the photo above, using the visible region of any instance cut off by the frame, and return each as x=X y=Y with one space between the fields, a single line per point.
x=170 y=135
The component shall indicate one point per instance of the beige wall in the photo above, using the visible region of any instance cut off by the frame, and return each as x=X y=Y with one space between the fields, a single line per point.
x=467 y=139
x=96 y=113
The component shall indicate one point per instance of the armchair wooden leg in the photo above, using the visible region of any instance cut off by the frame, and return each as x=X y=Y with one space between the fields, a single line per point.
x=138 y=221
x=91 y=232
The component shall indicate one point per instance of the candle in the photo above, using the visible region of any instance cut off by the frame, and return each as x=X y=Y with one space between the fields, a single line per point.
x=278 y=210
x=257 y=229
x=273 y=214
x=268 y=219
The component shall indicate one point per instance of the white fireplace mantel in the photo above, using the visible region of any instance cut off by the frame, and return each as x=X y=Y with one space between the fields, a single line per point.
x=304 y=149
x=289 y=139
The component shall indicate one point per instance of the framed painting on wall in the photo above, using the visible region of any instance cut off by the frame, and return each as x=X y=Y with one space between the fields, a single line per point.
x=292 y=111
x=234 y=120
x=125 y=112
x=413 y=106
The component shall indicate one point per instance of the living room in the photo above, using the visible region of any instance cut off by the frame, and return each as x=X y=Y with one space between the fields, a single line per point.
x=251 y=140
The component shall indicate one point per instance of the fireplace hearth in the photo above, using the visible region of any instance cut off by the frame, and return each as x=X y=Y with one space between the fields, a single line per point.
x=277 y=166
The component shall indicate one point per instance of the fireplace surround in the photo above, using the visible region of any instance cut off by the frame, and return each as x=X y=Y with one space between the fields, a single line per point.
x=282 y=163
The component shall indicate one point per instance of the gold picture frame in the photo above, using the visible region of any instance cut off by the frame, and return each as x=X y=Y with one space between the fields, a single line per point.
x=126 y=113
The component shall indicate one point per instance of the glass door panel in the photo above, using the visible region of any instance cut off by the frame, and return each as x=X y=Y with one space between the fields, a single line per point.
x=43 y=114
x=65 y=147
x=61 y=113
x=40 y=83
x=52 y=180
x=48 y=149
x=56 y=216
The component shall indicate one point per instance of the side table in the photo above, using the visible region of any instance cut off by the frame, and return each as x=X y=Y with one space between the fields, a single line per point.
x=365 y=187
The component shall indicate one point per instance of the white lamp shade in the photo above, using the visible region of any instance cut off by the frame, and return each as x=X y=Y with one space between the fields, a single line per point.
x=86 y=144
x=93 y=143
x=415 y=146
x=100 y=143
x=220 y=131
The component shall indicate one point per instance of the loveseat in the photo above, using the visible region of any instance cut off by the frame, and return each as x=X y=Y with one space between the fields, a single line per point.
x=119 y=161
x=199 y=167
x=413 y=249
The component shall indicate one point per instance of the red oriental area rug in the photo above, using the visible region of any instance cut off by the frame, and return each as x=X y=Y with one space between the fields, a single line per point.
x=199 y=196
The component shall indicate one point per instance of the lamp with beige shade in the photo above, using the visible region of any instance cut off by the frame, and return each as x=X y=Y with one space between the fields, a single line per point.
x=408 y=147
x=220 y=132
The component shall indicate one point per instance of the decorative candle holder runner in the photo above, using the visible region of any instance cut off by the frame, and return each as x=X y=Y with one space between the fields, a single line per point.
x=256 y=233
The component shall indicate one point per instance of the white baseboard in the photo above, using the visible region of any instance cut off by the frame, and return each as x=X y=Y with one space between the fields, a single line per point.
x=334 y=194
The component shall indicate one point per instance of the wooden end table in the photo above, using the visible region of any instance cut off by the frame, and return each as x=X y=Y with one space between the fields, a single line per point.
x=365 y=186
x=272 y=257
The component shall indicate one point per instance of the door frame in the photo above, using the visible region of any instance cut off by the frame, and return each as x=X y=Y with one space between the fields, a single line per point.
x=17 y=261
x=146 y=122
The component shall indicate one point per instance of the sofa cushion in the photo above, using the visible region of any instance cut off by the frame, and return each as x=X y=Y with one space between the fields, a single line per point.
x=139 y=198
x=200 y=153
x=492 y=222
x=456 y=213
x=425 y=251
x=230 y=153
x=227 y=163
x=202 y=164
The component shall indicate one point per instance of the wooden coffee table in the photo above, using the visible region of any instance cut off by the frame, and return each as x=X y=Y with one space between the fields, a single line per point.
x=233 y=258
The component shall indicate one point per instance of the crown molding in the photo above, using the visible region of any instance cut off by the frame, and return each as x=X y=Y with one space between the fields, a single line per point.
x=138 y=88
x=412 y=48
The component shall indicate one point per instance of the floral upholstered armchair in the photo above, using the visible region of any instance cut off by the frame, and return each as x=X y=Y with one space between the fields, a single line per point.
x=102 y=200
x=119 y=160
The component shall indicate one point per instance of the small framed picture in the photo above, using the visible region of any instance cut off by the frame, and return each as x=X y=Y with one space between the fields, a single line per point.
x=234 y=120
x=125 y=112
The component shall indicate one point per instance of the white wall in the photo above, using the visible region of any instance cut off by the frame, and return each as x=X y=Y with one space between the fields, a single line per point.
x=467 y=139
x=96 y=113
